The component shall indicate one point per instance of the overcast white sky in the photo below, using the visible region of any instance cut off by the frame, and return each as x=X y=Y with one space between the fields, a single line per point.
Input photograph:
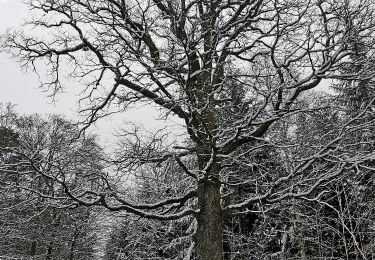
x=21 y=88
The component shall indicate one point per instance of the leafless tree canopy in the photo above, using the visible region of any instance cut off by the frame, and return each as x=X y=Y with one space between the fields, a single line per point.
x=238 y=75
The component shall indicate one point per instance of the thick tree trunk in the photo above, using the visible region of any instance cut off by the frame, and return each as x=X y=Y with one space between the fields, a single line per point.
x=210 y=221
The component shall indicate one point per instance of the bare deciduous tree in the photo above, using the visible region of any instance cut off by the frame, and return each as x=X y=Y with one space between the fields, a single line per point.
x=37 y=219
x=186 y=57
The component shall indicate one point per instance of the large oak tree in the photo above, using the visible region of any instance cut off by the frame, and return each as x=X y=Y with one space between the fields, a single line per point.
x=187 y=58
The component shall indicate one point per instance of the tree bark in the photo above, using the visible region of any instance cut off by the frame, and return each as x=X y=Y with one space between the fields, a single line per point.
x=210 y=221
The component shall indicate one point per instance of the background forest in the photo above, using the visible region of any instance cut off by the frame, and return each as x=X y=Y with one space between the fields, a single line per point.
x=272 y=153
x=337 y=223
